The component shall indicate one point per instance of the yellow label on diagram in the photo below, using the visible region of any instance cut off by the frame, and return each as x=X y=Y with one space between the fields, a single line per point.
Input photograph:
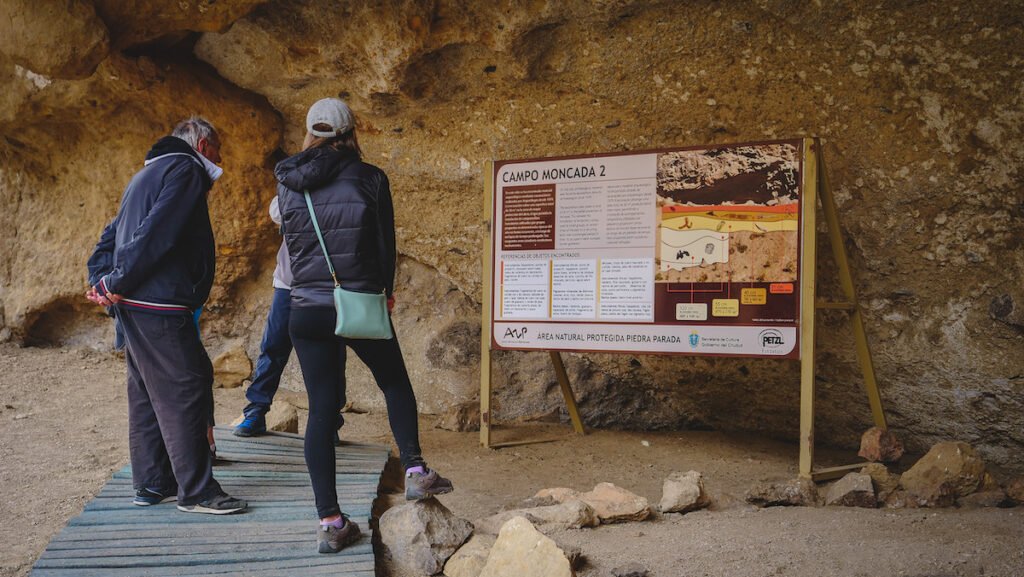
x=725 y=308
x=753 y=296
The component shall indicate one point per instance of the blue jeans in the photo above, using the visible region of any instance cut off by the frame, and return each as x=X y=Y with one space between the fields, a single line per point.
x=275 y=348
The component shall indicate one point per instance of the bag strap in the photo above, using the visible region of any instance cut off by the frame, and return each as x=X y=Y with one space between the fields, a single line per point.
x=320 y=237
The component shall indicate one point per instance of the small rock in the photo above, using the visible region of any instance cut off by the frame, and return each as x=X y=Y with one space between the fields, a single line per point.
x=953 y=464
x=882 y=480
x=797 y=492
x=880 y=445
x=1015 y=490
x=985 y=499
x=633 y=569
x=612 y=504
x=988 y=483
x=461 y=418
x=421 y=536
x=683 y=492
x=231 y=367
x=896 y=499
x=853 y=490
x=615 y=504
x=574 y=514
x=522 y=550
x=470 y=559
x=553 y=496
x=283 y=417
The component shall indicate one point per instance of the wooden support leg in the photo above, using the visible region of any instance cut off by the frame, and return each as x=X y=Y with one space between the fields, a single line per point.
x=828 y=207
x=808 y=209
x=570 y=398
x=485 y=397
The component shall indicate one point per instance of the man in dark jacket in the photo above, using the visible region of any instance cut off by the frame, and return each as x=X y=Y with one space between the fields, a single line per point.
x=154 y=267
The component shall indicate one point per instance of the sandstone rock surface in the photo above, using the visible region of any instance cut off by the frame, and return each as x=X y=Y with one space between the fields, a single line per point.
x=571 y=514
x=882 y=480
x=522 y=550
x=231 y=367
x=853 y=490
x=470 y=559
x=283 y=417
x=794 y=493
x=1015 y=490
x=422 y=535
x=952 y=468
x=877 y=444
x=51 y=38
x=683 y=492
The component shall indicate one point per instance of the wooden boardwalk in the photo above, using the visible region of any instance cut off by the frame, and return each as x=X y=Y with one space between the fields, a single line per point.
x=275 y=537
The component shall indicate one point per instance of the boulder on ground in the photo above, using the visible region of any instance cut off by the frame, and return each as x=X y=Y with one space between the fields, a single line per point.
x=461 y=418
x=573 y=514
x=470 y=559
x=880 y=445
x=615 y=505
x=523 y=550
x=882 y=480
x=231 y=367
x=1015 y=490
x=985 y=499
x=283 y=417
x=683 y=492
x=612 y=504
x=794 y=493
x=951 y=468
x=553 y=496
x=853 y=490
x=422 y=535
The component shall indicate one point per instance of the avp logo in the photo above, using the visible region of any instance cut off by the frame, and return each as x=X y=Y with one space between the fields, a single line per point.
x=694 y=339
x=770 y=339
x=515 y=333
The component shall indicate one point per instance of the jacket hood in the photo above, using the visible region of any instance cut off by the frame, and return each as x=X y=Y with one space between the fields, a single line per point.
x=171 y=145
x=313 y=168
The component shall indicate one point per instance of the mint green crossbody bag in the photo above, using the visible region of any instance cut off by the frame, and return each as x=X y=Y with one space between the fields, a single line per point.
x=360 y=315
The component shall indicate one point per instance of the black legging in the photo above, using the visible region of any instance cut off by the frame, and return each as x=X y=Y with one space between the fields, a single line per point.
x=322 y=358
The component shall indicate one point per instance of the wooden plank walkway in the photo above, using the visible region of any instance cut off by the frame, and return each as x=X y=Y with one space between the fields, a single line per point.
x=276 y=536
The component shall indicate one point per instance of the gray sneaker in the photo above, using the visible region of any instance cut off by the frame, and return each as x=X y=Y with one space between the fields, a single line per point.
x=331 y=539
x=222 y=504
x=424 y=485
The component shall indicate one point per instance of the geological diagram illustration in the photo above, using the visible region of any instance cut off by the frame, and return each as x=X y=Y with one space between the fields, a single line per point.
x=728 y=214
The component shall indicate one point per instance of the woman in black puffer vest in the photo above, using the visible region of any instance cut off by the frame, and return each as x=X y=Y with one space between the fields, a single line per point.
x=352 y=200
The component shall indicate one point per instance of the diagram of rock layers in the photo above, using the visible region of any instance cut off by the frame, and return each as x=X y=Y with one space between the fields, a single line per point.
x=729 y=215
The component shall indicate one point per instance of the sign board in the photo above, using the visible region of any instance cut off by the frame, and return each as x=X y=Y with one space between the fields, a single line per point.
x=692 y=251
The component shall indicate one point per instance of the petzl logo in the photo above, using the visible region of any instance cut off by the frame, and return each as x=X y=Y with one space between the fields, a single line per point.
x=515 y=333
x=694 y=339
x=771 y=339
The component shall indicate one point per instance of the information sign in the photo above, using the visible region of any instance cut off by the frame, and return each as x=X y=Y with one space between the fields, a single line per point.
x=684 y=251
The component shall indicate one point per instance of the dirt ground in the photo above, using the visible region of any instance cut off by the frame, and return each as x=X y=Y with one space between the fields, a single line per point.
x=63 y=432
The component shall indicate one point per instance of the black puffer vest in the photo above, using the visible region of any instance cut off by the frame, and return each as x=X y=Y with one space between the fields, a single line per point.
x=352 y=201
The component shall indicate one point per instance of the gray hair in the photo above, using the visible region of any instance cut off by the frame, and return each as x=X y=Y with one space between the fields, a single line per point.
x=193 y=129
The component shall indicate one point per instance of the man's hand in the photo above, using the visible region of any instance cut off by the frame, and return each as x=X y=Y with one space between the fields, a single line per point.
x=107 y=300
x=391 y=303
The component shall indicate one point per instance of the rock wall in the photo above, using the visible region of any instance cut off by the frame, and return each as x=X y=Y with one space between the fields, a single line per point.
x=919 y=105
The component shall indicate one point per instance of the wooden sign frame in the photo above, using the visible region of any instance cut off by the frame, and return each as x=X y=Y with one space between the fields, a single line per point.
x=815 y=187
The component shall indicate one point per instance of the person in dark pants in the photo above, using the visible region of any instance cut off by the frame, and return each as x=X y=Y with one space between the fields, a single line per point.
x=154 y=266
x=352 y=200
x=275 y=349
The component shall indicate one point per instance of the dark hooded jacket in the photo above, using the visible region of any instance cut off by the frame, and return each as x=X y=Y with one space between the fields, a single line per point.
x=352 y=200
x=158 y=252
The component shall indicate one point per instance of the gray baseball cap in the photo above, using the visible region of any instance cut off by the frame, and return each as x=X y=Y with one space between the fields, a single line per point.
x=331 y=112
